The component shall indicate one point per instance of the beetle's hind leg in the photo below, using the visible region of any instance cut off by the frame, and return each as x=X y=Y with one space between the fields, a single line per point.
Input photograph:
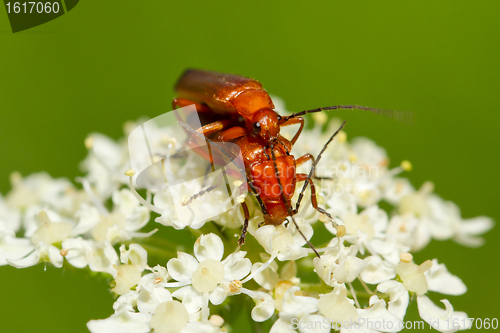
x=309 y=157
x=314 y=201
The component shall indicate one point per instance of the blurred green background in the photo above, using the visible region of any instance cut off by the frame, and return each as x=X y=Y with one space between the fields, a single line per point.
x=106 y=62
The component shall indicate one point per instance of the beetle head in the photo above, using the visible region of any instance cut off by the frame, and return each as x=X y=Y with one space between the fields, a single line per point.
x=265 y=125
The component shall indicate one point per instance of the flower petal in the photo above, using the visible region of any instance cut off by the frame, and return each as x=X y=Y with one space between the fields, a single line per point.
x=191 y=299
x=149 y=299
x=182 y=267
x=236 y=266
x=398 y=297
x=30 y=260
x=282 y=326
x=377 y=270
x=298 y=306
x=135 y=255
x=169 y=317
x=13 y=248
x=441 y=281
x=55 y=256
x=444 y=320
x=264 y=306
x=337 y=307
x=78 y=249
x=377 y=316
x=208 y=247
x=102 y=257
x=268 y=278
x=219 y=294
x=349 y=269
x=314 y=324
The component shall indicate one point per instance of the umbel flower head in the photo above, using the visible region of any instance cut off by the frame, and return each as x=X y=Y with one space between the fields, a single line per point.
x=364 y=279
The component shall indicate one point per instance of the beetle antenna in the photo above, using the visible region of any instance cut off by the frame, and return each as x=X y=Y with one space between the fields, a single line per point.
x=405 y=117
x=311 y=173
x=287 y=204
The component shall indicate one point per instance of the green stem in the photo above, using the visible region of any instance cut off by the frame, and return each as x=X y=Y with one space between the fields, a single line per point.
x=323 y=288
x=159 y=252
x=160 y=241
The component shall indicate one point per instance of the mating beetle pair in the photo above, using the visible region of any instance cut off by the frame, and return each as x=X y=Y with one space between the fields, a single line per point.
x=237 y=109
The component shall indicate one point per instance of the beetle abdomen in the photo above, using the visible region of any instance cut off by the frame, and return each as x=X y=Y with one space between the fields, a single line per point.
x=218 y=90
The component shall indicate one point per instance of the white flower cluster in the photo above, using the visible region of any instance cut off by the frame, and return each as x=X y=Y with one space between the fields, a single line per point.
x=100 y=227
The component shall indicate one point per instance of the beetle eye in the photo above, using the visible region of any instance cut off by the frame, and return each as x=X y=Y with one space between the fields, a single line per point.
x=256 y=127
x=279 y=117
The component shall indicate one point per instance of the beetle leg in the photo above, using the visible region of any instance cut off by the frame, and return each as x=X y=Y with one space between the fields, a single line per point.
x=307 y=157
x=215 y=127
x=241 y=241
x=232 y=133
x=207 y=171
x=195 y=143
x=301 y=160
x=300 y=178
x=293 y=121
x=182 y=102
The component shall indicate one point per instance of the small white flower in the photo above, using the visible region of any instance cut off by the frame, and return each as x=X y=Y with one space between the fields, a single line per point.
x=105 y=164
x=295 y=306
x=337 y=307
x=413 y=276
x=368 y=153
x=124 y=221
x=42 y=243
x=99 y=256
x=135 y=256
x=127 y=276
x=408 y=230
x=206 y=272
x=398 y=297
x=396 y=188
x=418 y=279
x=122 y=321
x=284 y=242
x=376 y=315
x=151 y=295
x=339 y=264
x=441 y=218
x=41 y=190
x=134 y=261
